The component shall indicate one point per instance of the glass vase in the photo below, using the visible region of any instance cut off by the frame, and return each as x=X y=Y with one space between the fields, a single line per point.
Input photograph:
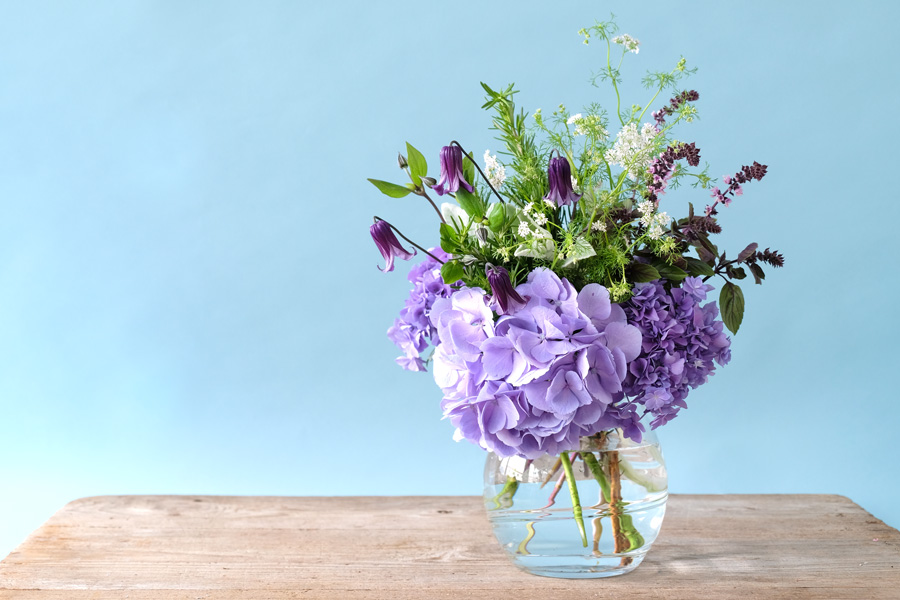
x=591 y=512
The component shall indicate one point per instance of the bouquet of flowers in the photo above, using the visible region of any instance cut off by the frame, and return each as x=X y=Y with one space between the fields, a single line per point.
x=562 y=302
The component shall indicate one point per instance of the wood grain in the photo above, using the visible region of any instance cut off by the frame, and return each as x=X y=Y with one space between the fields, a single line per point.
x=208 y=547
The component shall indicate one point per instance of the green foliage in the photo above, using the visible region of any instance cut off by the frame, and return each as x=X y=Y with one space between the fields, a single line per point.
x=731 y=303
x=614 y=235
x=391 y=189
x=418 y=167
x=470 y=203
x=452 y=271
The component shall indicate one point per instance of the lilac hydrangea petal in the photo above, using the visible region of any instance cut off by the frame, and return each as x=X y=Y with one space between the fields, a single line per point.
x=625 y=337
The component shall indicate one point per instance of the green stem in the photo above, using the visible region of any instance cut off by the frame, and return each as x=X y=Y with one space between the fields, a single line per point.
x=576 y=502
x=523 y=547
x=591 y=461
x=512 y=484
x=612 y=76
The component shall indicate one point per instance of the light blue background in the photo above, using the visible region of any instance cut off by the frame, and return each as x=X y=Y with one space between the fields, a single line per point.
x=188 y=295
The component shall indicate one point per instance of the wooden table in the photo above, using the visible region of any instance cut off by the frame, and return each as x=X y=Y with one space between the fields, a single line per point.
x=208 y=547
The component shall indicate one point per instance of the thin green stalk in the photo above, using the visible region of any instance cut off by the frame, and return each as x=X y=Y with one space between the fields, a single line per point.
x=576 y=502
x=523 y=547
x=591 y=461
x=612 y=76
x=512 y=484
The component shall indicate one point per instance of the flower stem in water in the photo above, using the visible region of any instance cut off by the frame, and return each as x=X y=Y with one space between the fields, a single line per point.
x=576 y=502
x=512 y=484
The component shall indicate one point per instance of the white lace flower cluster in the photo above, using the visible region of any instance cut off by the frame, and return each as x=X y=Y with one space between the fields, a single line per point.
x=496 y=173
x=589 y=125
x=538 y=218
x=655 y=223
x=631 y=44
x=633 y=149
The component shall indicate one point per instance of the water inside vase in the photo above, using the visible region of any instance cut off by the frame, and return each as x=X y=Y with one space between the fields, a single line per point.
x=537 y=527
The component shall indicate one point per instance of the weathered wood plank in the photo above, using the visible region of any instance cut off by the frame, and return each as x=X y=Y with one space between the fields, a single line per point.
x=177 y=547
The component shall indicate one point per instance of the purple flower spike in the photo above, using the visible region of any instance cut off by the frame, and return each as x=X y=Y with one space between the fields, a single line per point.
x=451 y=172
x=388 y=244
x=504 y=293
x=559 y=174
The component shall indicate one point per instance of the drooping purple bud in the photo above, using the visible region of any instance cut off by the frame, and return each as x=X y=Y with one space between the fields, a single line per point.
x=505 y=295
x=559 y=174
x=388 y=244
x=451 y=172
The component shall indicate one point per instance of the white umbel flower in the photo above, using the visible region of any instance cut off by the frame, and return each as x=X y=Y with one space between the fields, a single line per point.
x=631 y=44
x=524 y=230
x=540 y=219
x=496 y=173
x=598 y=226
x=632 y=149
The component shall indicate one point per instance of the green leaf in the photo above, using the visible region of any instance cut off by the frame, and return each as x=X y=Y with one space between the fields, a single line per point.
x=697 y=267
x=669 y=272
x=642 y=273
x=731 y=302
x=390 y=189
x=469 y=168
x=449 y=239
x=452 y=271
x=418 y=167
x=496 y=217
x=470 y=203
x=580 y=250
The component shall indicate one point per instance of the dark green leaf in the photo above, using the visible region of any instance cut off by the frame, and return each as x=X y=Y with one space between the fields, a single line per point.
x=669 y=272
x=470 y=203
x=747 y=252
x=497 y=217
x=731 y=303
x=758 y=273
x=697 y=267
x=452 y=272
x=390 y=189
x=418 y=167
x=642 y=273
x=449 y=239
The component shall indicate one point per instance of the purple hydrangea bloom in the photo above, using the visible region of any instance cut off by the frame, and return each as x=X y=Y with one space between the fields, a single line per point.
x=559 y=176
x=682 y=342
x=538 y=378
x=452 y=177
x=412 y=332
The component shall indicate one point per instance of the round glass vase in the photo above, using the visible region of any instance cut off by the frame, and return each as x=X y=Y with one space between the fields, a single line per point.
x=592 y=512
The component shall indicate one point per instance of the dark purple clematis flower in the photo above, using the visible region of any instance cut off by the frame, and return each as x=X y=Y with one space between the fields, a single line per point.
x=388 y=244
x=451 y=172
x=560 y=176
x=505 y=295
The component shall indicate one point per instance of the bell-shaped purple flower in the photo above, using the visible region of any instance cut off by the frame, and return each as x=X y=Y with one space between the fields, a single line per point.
x=451 y=172
x=559 y=174
x=505 y=295
x=388 y=244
